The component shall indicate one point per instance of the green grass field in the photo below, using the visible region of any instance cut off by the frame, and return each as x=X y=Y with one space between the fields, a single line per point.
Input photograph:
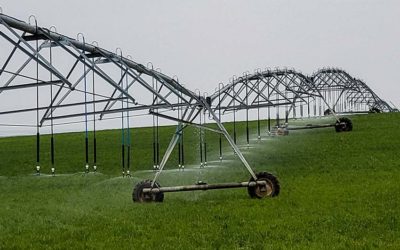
x=338 y=191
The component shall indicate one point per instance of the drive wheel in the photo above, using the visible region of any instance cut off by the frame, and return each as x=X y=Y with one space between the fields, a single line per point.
x=343 y=125
x=139 y=196
x=260 y=191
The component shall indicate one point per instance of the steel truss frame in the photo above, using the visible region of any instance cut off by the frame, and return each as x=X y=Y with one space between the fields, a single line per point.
x=169 y=99
x=334 y=89
x=347 y=94
x=269 y=88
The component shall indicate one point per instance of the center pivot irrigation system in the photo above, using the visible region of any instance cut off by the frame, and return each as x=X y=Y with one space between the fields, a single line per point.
x=63 y=80
x=47 y=53
x=329 y=91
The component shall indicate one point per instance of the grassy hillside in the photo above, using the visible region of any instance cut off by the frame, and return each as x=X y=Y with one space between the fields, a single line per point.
x=338 y=190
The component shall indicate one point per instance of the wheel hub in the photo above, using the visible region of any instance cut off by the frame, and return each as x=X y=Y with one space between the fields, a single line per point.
x=269 y=189
x=264 y=190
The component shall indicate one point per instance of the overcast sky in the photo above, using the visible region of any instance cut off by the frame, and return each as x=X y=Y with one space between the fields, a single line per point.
x=205 y=42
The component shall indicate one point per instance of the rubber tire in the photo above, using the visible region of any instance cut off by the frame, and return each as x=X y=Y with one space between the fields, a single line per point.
x=272 y=181
x=348 y=125
x=139 y=196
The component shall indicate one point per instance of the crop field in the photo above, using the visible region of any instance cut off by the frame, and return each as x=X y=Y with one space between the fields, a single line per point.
x=338 y=191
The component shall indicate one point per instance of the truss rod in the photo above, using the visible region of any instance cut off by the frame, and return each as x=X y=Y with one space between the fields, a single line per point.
x=29 y=85
x=59 y=106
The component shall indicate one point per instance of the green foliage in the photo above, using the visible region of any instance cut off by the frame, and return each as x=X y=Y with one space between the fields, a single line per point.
x=338 y=190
